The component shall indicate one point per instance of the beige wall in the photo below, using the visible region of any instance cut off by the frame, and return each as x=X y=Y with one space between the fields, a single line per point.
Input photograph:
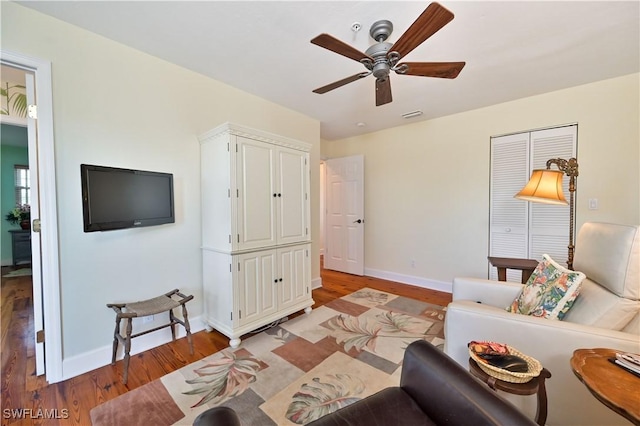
x=119 y=107
x=427 y=183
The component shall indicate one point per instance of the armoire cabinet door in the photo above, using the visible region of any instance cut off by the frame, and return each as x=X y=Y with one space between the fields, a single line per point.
x=256 y=285
x=256 y=193
x=272 y=195
x=292 y=200
x=295 y=272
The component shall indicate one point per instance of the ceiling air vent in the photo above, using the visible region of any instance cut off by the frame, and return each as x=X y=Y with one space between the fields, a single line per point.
x=412 y=114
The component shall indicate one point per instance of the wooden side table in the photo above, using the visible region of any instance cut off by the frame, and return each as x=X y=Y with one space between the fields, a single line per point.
x=527 y=266
x=534 y=386
x=612 y=385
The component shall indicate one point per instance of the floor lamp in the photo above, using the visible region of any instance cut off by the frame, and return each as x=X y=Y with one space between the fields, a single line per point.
x=545 y=186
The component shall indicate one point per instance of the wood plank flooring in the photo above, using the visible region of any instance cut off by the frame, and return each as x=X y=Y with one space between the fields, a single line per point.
x=69 y=402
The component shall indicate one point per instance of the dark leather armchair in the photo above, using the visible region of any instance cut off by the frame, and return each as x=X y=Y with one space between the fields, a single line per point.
x=434 y=390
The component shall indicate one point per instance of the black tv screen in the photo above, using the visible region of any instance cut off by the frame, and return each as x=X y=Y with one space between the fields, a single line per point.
x=114 y=198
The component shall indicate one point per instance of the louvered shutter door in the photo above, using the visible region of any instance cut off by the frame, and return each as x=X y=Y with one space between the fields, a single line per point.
x=549 y=224
x=518 y=228
x=508 y=216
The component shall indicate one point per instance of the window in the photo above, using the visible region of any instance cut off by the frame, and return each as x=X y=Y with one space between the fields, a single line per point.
x=22 y=184
x=519 y=228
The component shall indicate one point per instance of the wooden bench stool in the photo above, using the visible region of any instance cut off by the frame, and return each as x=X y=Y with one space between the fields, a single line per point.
x=145 y=308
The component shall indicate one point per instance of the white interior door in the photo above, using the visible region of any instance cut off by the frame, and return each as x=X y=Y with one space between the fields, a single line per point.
x=521 y=229
x=36 y=269
x=47 y=209
x=344 y=220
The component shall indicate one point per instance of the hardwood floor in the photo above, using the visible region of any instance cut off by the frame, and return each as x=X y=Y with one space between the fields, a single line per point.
x=69 y=402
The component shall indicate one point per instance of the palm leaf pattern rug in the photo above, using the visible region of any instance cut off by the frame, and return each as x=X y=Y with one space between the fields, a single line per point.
x=292 y=373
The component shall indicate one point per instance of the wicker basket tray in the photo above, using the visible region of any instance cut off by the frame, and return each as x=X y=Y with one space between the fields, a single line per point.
x=509 y=376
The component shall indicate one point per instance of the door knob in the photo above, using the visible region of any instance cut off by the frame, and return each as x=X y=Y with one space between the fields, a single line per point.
x=358 y=221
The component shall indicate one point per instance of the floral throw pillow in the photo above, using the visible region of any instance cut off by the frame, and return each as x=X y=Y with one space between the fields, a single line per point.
x=549 y=292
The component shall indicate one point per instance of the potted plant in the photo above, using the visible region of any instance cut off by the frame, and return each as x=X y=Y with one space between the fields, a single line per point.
x=20 y=214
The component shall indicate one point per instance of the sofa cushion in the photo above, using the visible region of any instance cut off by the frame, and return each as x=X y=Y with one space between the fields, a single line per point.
x=609 y=255
x=550 y=291
x=598 y=307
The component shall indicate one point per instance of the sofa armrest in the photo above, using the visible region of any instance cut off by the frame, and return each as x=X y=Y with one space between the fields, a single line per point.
x=449 y=394
x=538 y=337
x=551 y=342
x=495 y=293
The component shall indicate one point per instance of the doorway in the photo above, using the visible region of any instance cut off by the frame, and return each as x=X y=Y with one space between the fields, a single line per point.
x=44 y=241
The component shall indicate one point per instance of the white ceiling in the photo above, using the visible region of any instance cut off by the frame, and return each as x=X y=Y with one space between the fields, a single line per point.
x=512 y=50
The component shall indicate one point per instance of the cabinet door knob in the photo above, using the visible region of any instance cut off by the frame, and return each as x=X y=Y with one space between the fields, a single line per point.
x=280 y=279
x=275 y=195
x=279 y=195
x=275 y=281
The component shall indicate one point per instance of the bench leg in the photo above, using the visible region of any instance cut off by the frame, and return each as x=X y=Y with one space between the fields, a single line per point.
x=187 y=327
x=127 y=349
x=116 y=333
x=172 y=323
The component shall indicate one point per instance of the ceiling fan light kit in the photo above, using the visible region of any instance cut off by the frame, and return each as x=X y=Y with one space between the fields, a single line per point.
x=383 y=57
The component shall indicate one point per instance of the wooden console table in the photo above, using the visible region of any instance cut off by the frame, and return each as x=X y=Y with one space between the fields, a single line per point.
x=20 y=246
x=527 y=266
x=615 y=387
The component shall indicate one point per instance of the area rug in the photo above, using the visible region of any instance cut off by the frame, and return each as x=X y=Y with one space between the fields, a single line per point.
x=292 y=373
x=18 y=273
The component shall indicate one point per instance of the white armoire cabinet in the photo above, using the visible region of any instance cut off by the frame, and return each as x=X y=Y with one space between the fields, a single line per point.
x=255 y=228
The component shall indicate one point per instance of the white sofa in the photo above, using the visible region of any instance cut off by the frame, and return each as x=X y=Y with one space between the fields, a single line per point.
x=605 y=315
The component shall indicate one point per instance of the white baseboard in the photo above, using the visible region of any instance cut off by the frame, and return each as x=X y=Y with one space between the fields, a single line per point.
x=316 y=283
x=79 y=364
x=410 y=279
x=87 y=361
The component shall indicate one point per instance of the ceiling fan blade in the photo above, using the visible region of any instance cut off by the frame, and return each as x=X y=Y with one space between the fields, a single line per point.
x=383 y=91
x=333 y=44
x=339 y=83
x=431 y=69
x=428 y=23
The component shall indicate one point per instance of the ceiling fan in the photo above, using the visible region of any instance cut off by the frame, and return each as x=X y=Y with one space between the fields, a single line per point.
x=383 y=57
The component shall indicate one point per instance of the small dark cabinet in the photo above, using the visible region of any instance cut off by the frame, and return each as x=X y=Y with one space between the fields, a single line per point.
x=21 y=246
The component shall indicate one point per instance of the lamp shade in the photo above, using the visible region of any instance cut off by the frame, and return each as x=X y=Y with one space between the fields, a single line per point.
x=545 y=186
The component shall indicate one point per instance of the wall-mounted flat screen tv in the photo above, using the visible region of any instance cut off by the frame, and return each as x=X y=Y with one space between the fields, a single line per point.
x=114 y=198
